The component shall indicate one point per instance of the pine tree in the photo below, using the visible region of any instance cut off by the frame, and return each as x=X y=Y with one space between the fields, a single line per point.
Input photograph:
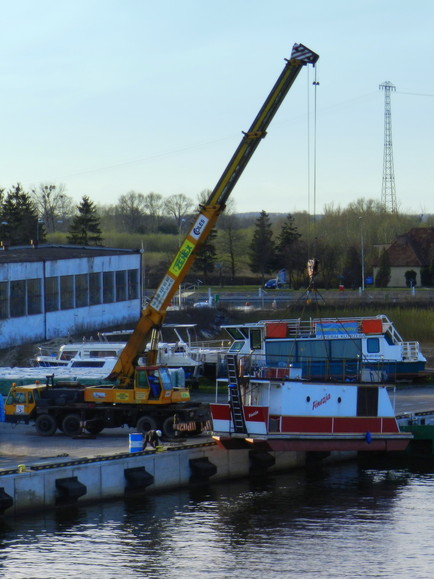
x=383 y=274
x=85 y=227
x=289 y=254
x=206 y=257
x=19 y=218
x=352 y=273
x=262 y=258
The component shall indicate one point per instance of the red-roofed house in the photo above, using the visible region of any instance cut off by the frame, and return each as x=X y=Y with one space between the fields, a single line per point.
x=413 y=250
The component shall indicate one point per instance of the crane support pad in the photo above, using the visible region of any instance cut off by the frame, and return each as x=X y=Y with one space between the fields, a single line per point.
x=69 y=490
x=202 y=469
x=6 y=501
x=138 y=478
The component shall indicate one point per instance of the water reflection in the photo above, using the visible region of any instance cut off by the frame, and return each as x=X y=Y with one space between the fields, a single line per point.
x=327 y=522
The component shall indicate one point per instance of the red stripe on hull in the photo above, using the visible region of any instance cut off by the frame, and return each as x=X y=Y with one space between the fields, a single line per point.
x=338 y=425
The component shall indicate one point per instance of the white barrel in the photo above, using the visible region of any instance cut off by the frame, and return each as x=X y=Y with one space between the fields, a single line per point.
x=136 y=442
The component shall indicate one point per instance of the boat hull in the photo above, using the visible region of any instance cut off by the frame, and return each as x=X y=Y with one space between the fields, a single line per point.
x=314 y=443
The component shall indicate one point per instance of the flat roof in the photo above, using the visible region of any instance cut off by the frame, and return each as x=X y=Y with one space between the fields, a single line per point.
x=48 y=252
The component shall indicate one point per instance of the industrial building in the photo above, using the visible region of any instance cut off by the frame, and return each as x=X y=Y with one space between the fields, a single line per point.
x=50 y=291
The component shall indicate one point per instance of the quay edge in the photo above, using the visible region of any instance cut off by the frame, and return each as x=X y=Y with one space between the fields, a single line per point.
x=46 y=486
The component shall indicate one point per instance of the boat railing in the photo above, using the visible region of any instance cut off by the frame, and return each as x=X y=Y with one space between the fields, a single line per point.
x=343 y=370
x=410 y=351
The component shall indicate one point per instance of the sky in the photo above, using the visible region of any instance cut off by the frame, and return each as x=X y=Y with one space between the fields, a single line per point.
x=111 y=96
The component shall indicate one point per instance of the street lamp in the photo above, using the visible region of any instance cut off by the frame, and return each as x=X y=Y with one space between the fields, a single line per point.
x=4 y=244
x=362 y=253
x=38 y=223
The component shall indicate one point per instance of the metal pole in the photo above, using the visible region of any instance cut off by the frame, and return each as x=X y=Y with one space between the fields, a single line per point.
x=362 y=253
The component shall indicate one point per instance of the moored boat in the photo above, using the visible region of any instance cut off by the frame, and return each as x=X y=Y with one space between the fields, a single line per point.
x=350 y=349
x=292 y=414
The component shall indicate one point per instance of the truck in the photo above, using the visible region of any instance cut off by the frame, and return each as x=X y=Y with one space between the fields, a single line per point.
x=154 y=402
x=125 y=398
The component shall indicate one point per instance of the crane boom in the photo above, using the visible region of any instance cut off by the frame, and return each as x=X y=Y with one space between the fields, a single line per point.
x=153 y=314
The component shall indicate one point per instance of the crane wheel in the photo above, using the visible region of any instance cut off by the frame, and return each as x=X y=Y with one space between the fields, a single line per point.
x=71 y=425
x=168 y=427
x=45 y=425
x=145 y=424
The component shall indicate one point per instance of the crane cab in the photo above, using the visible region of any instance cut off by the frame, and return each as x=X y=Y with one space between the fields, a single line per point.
x=152 y=385
x=156 y=382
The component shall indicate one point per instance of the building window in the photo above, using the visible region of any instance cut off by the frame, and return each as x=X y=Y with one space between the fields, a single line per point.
x=133 y=284
x=121 y=286
x=108 y=287
x=66 y=292
x=81 y=290
x=94 y=288
x=34 y=297
x=51 y=294
x=4 y=300
x=18 y=298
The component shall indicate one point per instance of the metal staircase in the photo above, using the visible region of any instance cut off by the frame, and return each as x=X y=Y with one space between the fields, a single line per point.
x=235 y=395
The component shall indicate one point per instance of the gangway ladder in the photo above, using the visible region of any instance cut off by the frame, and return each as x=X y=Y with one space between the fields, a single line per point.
x=235 y=395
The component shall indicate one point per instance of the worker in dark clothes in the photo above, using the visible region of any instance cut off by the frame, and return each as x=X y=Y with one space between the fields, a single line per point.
x=152 y=437
x=154 y=384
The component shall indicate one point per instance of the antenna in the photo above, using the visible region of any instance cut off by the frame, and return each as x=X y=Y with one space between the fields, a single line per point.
x=388 y=191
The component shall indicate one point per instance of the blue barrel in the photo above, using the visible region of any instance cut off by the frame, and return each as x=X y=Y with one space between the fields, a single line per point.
x=136 y=442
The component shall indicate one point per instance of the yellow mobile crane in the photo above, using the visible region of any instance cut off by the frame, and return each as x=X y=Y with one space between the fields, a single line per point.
x=153 y=315
x=130 y=398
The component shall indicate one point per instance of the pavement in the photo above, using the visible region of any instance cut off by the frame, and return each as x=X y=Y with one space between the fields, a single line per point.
x=20 y=444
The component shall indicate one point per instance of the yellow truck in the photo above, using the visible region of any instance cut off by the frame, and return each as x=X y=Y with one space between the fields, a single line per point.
x=154 y=402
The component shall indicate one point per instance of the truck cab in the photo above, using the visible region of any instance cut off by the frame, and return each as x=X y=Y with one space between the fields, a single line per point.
x=20 y=404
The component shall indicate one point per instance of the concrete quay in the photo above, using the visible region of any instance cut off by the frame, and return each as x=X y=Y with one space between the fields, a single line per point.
x=60 y=472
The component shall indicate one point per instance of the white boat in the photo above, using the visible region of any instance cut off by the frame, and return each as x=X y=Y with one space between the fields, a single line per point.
x=84 y=354
x=292 y=414
x=103 y=354
x=351 y=349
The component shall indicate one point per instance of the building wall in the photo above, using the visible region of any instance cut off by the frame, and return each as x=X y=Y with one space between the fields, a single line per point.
x=28 y=289
x=397 y=275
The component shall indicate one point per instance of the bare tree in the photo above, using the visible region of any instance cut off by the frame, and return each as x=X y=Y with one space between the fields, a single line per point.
x=178 y=206
x=131 y=209
x=52 y=204
x=154 y=206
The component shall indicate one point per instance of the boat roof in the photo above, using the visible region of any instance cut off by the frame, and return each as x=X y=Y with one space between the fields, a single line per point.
x=340 y=320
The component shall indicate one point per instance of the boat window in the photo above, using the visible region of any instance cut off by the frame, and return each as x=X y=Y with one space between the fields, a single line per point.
x=373 y=345
x=345 y=349
x=68 y=354
x=313 y=349
x=255 y=339
x=280 y=352
x=236 y=347
x=367 y=401
x=102 y=353
x=236 y=333
x=88 y=364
